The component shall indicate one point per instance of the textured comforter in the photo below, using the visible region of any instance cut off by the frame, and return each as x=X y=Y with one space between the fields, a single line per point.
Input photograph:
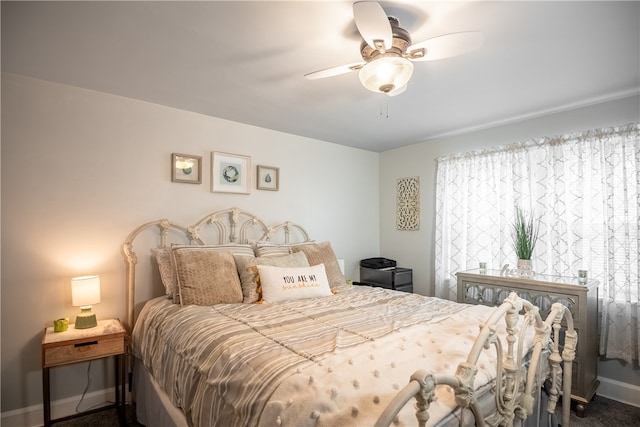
x=330 y=361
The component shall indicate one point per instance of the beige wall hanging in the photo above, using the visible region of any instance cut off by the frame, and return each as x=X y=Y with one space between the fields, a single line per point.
x=408 y=203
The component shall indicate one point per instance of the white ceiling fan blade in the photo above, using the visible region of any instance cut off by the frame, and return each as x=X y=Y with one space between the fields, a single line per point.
x=373 y=24
x=446 y=46
x=334 y=71
x=398 y=91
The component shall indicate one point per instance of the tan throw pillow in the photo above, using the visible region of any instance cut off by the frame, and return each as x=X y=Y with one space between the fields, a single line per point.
x=234 y=248
x=206 y=276
x=290 y=283
x=322 y=253
x=165 y=267
x=248 y=272
x=166 y=263
x=267 y=249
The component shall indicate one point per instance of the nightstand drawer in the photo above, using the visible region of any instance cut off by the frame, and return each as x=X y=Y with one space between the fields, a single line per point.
x=83 y=350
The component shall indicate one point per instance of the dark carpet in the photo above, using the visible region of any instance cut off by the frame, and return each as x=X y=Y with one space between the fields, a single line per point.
x=605 y=412
x=105 y=418
x=600 y=412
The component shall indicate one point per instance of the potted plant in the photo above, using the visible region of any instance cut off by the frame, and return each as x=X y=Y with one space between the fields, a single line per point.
x=525 y=235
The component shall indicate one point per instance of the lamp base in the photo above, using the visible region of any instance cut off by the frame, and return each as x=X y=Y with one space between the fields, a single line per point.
x=86 y=319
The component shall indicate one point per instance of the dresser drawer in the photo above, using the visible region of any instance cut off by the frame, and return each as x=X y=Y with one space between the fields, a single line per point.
x=403 y=276
x=476 y=292
x=391 y=278
x=407 y=287
x=87 y=349
x=399 y=279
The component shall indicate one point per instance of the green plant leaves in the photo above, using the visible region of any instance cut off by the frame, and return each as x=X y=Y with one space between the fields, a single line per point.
x=524 y=233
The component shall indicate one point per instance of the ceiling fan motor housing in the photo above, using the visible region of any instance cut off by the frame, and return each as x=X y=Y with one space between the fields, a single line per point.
x=401 y=41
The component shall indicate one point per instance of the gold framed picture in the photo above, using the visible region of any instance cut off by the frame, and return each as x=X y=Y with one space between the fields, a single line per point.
x=268 y=178
x=186 y=168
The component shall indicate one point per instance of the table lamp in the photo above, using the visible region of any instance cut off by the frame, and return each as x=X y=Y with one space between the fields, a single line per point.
x=85 y=291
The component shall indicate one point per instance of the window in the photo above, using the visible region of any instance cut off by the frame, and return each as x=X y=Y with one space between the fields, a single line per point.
x=585 y=189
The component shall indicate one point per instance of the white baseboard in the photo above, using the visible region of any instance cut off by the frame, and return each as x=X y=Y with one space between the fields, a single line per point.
x=628 y=394
x=33 y=416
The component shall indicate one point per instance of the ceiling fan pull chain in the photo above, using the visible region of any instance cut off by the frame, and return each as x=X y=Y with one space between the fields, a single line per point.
x=384 y=106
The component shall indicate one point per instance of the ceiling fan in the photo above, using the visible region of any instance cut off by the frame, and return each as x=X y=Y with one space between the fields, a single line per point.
x=388 y=52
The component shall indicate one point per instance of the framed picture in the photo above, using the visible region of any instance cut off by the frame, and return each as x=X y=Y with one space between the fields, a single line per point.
x=268 y=178
x=186 y=168
x=230 y=173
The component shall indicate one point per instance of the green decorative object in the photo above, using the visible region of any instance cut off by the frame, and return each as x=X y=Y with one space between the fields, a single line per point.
x=524 y=234
x=61 y=325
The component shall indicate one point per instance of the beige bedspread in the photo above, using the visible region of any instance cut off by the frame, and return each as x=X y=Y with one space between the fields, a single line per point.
x=331 y=361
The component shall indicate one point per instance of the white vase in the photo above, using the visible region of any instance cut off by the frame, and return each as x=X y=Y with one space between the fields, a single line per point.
x=524 y=268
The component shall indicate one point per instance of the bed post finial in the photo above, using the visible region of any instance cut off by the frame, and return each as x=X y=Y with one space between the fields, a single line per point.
x=425 y=396
x=510 y=365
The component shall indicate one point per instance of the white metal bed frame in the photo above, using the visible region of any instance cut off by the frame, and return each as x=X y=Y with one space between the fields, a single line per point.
x=232 y=225
x=515 y=384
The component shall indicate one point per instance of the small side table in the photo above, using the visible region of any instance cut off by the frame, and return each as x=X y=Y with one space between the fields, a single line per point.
x=80 y=345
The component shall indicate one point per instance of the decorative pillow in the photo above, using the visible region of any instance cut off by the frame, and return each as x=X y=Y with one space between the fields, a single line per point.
x=234 y=248
x=167 y=269
x=167 y=275
x=206 y=276
x=246 y=269
x=322 y=253
x=266 y=249
x=287 y=283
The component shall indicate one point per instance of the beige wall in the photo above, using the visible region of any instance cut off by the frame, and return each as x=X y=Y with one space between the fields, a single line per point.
x=416 y=248
x=81 y=169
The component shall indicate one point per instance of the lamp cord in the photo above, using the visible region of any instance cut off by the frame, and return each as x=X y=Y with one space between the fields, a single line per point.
x=86 y=387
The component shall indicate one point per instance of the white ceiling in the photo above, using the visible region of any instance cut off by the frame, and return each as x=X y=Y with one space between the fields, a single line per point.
x=245 y=61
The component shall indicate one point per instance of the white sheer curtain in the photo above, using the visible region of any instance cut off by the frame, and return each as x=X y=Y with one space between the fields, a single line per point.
x=586 y=190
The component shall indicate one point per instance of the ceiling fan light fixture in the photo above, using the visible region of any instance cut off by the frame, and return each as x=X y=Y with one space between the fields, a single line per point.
x=384 y=74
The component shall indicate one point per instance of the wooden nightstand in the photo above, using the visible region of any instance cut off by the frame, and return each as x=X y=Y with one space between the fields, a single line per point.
x=80 y=345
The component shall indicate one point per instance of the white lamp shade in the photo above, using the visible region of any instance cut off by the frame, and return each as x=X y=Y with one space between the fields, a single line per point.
x=85 y=290
x=386 y=74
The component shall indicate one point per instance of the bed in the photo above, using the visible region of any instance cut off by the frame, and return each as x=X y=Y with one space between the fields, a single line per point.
x=255 y=325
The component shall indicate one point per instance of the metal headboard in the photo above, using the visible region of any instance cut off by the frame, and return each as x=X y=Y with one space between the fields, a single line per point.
x=232 y=225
